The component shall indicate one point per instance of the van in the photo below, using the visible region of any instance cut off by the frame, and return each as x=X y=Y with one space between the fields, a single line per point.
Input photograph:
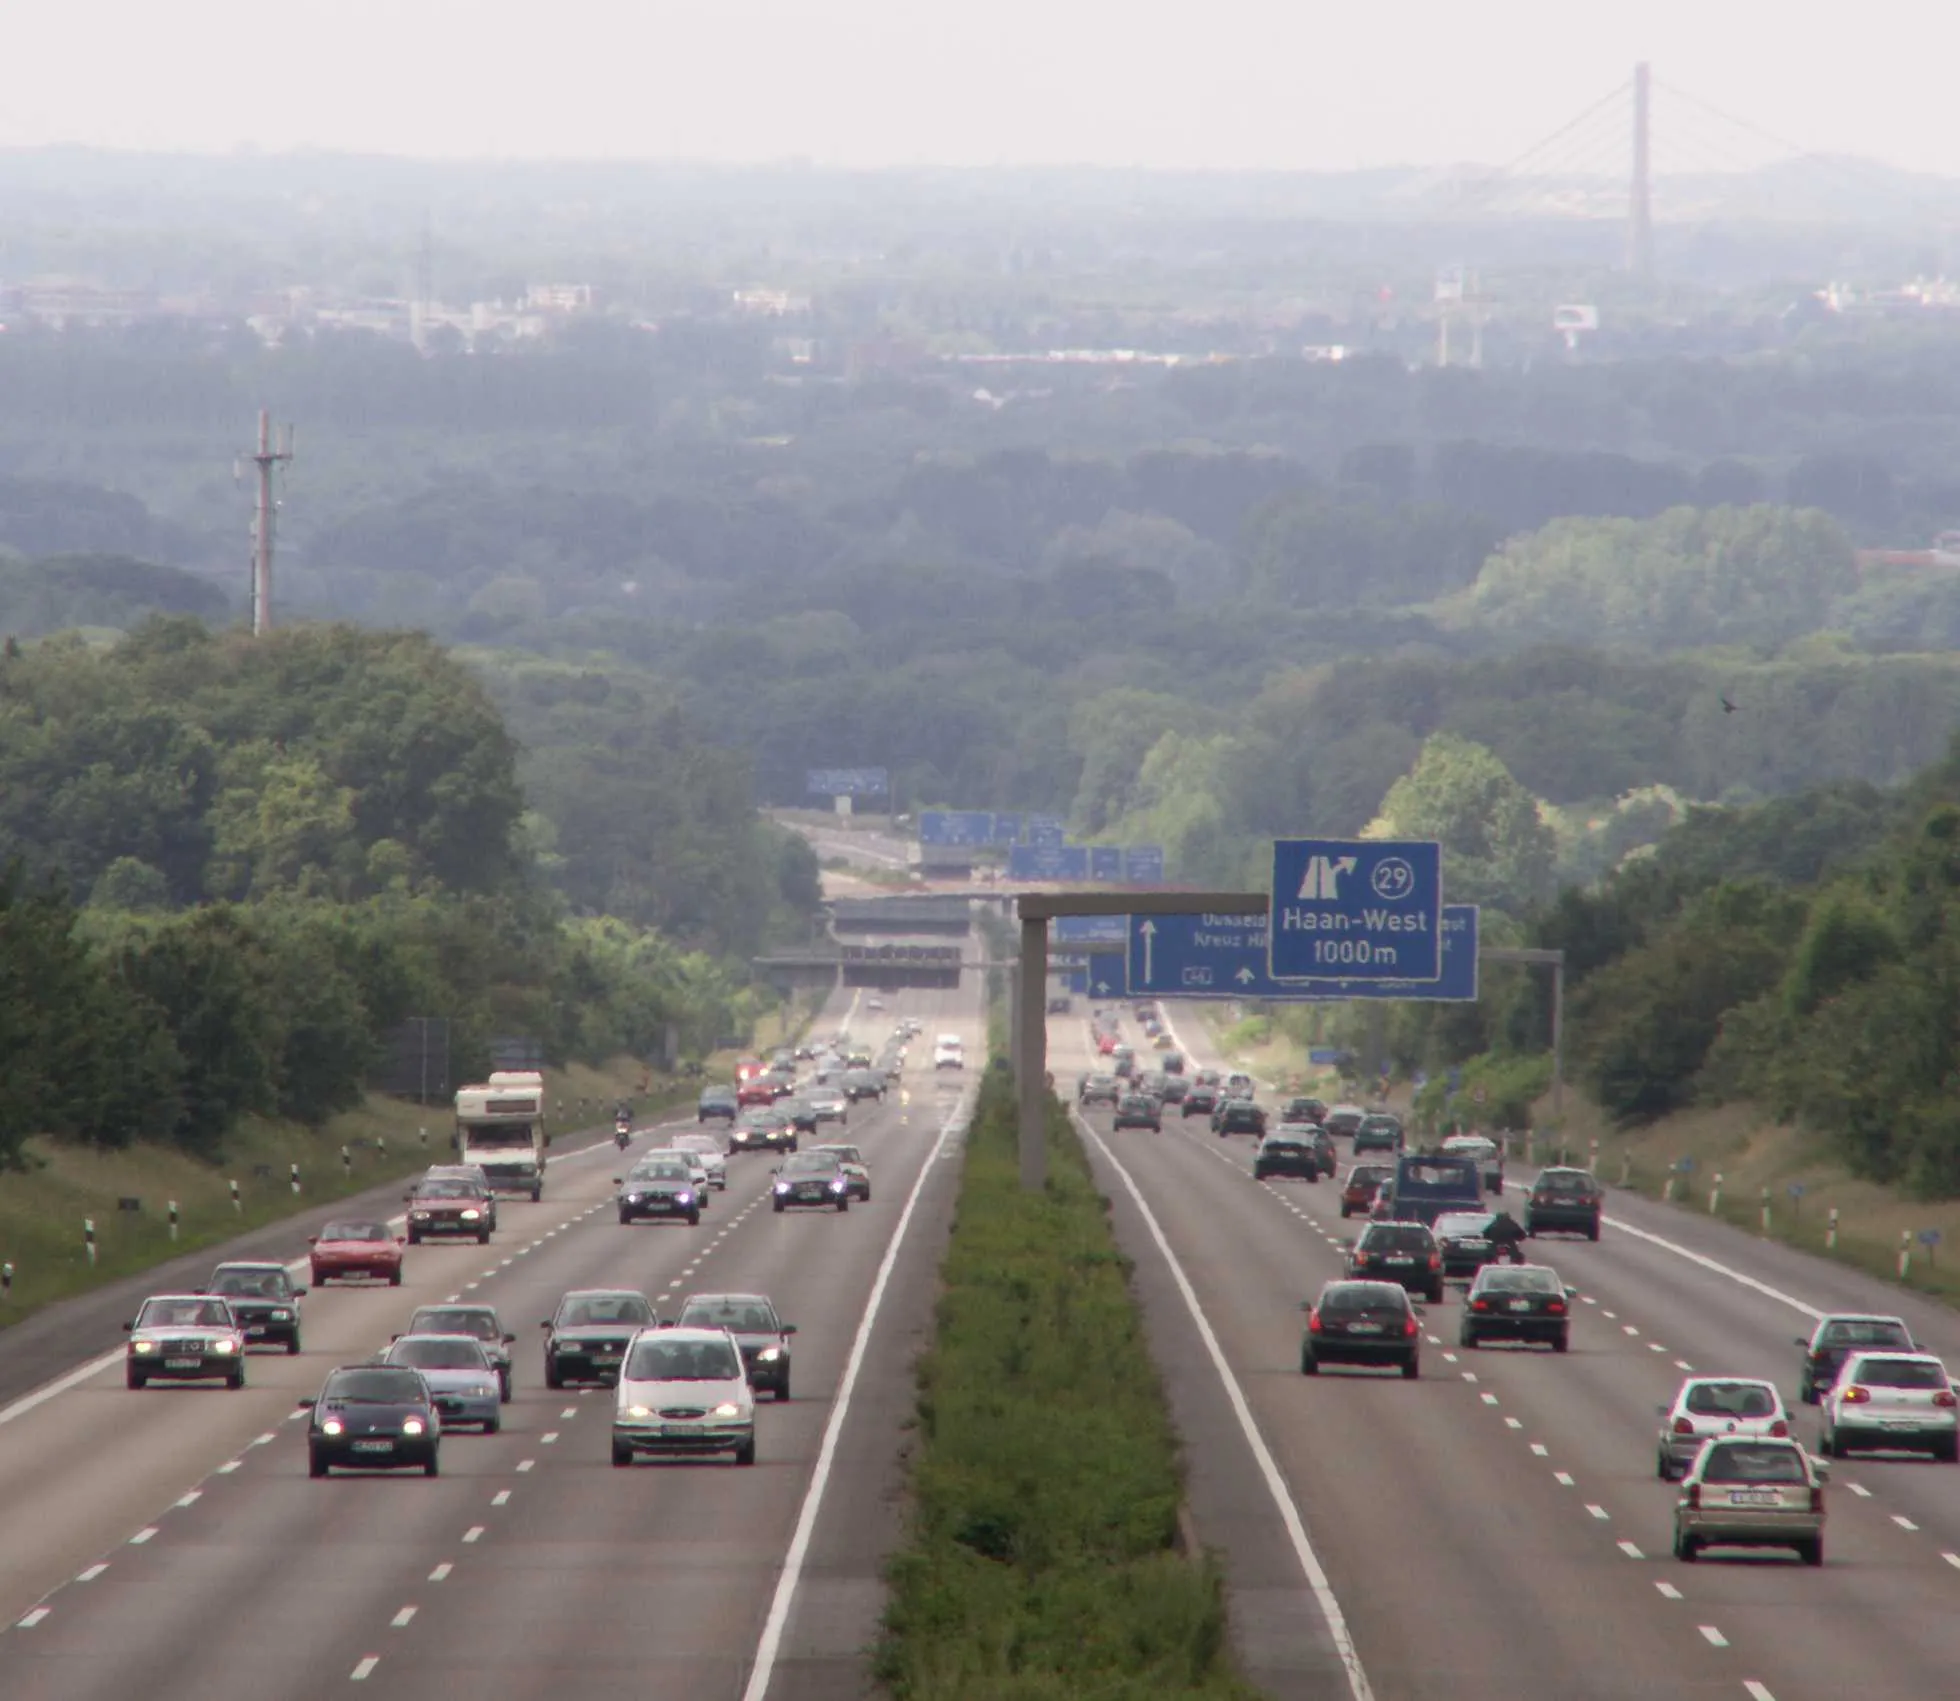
x=949 y=1052
x=1428 y=1184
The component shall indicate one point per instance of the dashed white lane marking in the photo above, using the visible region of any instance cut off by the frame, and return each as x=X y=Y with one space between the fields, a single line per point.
x=451 y=1299
x=1628 y=1329
x=1714 y=1637
x=1599 y=1512
x=1756 y=1691
x=229 y=1466
x=93 y=1572
x=1488 y=1399
x=1435 y=1340
x=1562 y=1478
x=1669 y=1590
x=1449 y=1358
x=441 y=1571
x=1612 y=1314
x=1587 y=1299
x=362 y=1672
x=501 y=1497
x=1952 y=1559
x=1514 y=1423
x=265 y=1440
x=192 y=1498
x=569 y=1412
x=525 y=1464
x=1540 y=1449
x=1655 y=1347
x=1683 y=1364
x=143 y=1535
x=1631 y=1550
x=473 y=1533
x=33 y=1618
x=546 y=1439
x=1859 y=1489
x=1903 y=1522
x=467 y=1286
x=1469 y=1376
x=400 y=1620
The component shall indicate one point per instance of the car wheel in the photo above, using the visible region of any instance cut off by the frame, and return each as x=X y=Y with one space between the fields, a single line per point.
x=1562 y=1342
x=395 y=1277
x=1344 y=1209
x=622 y=1453
x=1436 y=1294
x=316 y=1462
x=843 y=1204
x=431 y=1467
x=865 y=1197
x=483 y=1238
x=1464 y=1338
x=1686 y=1548
x=782 y=1390
x=625 y=1221
x=492 y=1424
x=318 y=1279
x=1812 y=1551
x=1593 y=1232
x=779 y=1207
x=503 y=1389
x=694 y=1219
x=1947 y=1452
x=1663 y=1467
x=551 y=1377
x=134 y=1378
x=292 y=1344
x=236 y=1380
x=745 y=1454
x=1411 y=1370
x=1309 y=1365
x=537 y=1195
x=1827 y=1445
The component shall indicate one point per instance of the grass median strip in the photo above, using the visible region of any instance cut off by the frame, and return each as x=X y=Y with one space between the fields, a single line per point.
x=1042 y=1559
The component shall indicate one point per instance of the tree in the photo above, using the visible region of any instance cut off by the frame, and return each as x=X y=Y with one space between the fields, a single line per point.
x=1497 y=849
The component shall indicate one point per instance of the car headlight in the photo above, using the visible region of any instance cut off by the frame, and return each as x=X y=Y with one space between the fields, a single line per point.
x=639 y=1411
x=224 y=1346
x=471 y=1216
x=142 y=1346
x=632 y=1198
x=685 y=1196
x=769 y=1355
x=420 y=1216
x=333 y=1426
x=727 y=1409
x=837 y=1186
x=412 y=1426
x=782 y=1187
x=485 y=1389
x=282 y=1317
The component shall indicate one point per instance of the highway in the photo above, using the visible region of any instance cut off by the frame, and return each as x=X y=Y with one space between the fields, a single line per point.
x=171 y=1543
x=1497 y=1529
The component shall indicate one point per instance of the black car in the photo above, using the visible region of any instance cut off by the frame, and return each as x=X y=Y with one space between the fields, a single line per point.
x=1199 y=1101
x=1060 y=1005
x=1379 y=1132
x=1172 y=1063
x=1175 y=1089
x=658 y=1187
x=863 y=1084
x=717 y=1103
x=1304 y=1110
x=263 y=1299
x=1564 y=1201
x=1362 y=1322
x=1836 y=1339
x=480 y=1323
x=802 y=1115
x=373 y=1417
x=1237 y=1116
x=1399 y=1252
x=1465 y=1241
x=1525 y=1302
x=585 y=1340
x=1098 y=1088
x=1343 y=1121
x=1139 y=1110
x=1287 y=1151
x=811 y=1178
x=762 y=1336
x=763 y=1129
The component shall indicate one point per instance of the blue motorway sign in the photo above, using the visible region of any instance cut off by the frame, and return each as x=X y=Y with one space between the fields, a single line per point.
x=849 y=782
x=1078 y=982
x=1106 y=864
x=1007 y=827
x=1224 y=956
x=1043 y=829
x=1143 y=865
x=1324 y=1056
x=1048 y=862
x=1090 y=930
x=1359 y=909
x=956 y=827
x=1109 y=974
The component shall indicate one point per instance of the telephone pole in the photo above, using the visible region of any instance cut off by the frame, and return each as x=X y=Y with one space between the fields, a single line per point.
x=268 y=460
x=1640 y=200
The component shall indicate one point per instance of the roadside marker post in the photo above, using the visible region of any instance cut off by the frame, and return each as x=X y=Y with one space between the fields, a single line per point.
x=88 y=1239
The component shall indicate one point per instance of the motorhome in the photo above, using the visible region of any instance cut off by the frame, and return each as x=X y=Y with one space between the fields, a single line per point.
x=500 y=1125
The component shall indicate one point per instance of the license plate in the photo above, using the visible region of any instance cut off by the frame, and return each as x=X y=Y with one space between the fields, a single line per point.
x=680 y=1429
x=182 y=1363
x=255 y=1329
x=1752 y=1497
x=1398 y=1259
x=1364 y=1328
x=809 y=1193
x=1518 y=1305
x=606 y=1358
x=374 y=1447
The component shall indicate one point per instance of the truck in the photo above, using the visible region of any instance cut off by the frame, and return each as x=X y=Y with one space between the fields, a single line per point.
x=500 y=1125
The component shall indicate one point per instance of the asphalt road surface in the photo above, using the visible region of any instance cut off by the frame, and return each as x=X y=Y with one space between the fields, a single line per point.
x=170 y=1542
x=1496 y=1529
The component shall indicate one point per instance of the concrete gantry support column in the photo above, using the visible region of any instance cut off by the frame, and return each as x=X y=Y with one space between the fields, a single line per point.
x=1031 y=1061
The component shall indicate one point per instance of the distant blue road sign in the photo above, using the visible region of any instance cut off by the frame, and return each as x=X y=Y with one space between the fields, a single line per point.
x=956 y=827
x=1090 y=930
x=1078 y=982
x=1106 y=863
x=1356 y=909
x=849 y=782
x=1043 y=829
x=1108 y=974
x=1048 y=862
x=1008 y=827
x=1210 y=956
x=1929 y=1237
x=1324 y=1056
x=1143 y=865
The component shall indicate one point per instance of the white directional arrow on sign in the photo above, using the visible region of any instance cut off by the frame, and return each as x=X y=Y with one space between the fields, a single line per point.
x=1244 y=976
x=1149 y=932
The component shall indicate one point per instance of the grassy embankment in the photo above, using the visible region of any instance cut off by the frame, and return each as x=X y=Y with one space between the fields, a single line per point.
x=42 y=1207
x=1044 y=1558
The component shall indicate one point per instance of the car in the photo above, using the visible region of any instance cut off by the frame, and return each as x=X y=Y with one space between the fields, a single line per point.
x=1564 y=1201
x=460 y=1376
x=184 y=1337
x=697 y=1170
x=761 y=1335
x=683 y=1392
x=480 y=1323
x=1304 y=1110
x=764 y=1131
x=1151 y=1082
x=263 y=1299
x=717 y=1104
x=1363 y=1182
x=1098 y=1088
x=469 y=1172
x=1287 y=1151
x=1174 y=1089
x=346 y=1248
x=586 y=1338
x=1061 y=1004
x=1362 y=1322
x=1238 y=1116
x=1125 y=1067
x=856 y=1171
x=1707 y=1407
x=658 y=1186
x=714 y=1161
x=1399 y=1252
x=1891 y=1402
x=1753 y=1493
x=1172 y=1062
x=1344 y=1120
x=1428 y=1185
x=863 y=1083
x=1464 y=1238
x=1839 y=1336
x=447 y=1205
x=1199 y=1100
x=1517 y=1302
x=811 y=1178
x=830 y=1105
x=1488 y=1155
x=800 y=1114
x=1240 y=1086
x=756 y=1090
x=373 y=1417
x=1139 y=1110
x=1207 y=1078
x=1373 y=1132
x=949 y=1052
x=1106 y=1043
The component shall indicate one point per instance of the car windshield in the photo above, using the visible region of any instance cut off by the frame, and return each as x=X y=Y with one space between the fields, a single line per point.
x=481 y=1325
x=1564 y=1181
x=1367 y=1175
x=254 y=1284
x=1865 y=1332
x=1285 y=1137
x=603 y=1308
x=1438 y=1175
x=683 y=1361
x=449 y=1352
x=1383 y=1125
x=809 y=1163
x=1397 y=1237
x=1461 y=1224
x=745 y=1317
x=356 y=1231
x=843 y=1154
x=1900 y=1373
x=1519 y=1281
x=1731 y=1399
x=669 y=1171
x=184 y=1314
x=1361 y=1296
x=376 y=1386
x=1734 y=1461
x=447 y=1187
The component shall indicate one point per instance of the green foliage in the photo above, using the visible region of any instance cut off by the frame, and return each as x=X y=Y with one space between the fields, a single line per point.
x=1497 y=849
x=61 y=591
x=1511 y=1085
x=1045 y=1484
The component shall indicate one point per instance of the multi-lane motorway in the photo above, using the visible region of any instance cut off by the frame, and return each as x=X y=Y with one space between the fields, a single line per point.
x=1496 y=1529
x=171 y=1543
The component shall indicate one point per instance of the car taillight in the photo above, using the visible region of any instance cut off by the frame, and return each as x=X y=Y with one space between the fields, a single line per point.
x=1556 y=1307
x=1313 y=1322
x=1945 y=1398
x=1856 y=1396
x=1816 y=1498
x=1694 y=1495
x=1480 y=1305
x=1779 y=1428
x=1360 y=1258
x=1410 y=1326
x=1435 y=1261
x=1682 y=1426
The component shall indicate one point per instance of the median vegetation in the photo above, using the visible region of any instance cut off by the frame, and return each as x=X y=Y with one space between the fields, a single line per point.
x=1044 y=1558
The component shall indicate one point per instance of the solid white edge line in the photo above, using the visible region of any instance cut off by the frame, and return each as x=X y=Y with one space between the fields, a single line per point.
x=1318 y=1582
x=769 y=1644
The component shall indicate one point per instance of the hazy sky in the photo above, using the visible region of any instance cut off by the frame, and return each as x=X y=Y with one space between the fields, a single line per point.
x=1219 y=83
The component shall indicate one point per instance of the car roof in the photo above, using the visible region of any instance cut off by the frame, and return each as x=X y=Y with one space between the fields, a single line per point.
x=730 y=1298
x=686 y=1332
x=251 y=1264
x=1859 y=1317
x=1730 y=1382
x=1389 y=1290
x=443 y=1308
x=603 y=1293
x=1896 y=1353
x=427 y=1335
x=200 y=1298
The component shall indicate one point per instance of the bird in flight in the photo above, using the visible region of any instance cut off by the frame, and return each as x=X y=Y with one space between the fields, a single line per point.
x=1728 y=708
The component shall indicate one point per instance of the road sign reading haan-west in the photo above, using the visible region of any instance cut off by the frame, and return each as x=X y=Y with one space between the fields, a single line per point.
x=1356 y=909
x=1224 y=956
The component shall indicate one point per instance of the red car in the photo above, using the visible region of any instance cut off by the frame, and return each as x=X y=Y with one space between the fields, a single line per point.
x=757 y=1090
x=1362 y=1187
x=342 y=1250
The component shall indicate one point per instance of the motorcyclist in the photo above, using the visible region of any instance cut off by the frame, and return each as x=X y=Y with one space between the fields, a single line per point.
x=1506 y=1235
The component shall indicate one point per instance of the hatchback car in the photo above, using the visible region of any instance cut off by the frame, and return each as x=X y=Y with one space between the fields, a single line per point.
x=1371 y=1323
x=1238 y=1116
x=1399 y=1252
x=1753 y=1493
x=373 y=1417
x=343 y=1250
x=1344 y=1119
x=1139 y=1110
x=448 y=1205
x=1376 y=1132
x=460 y=1375
x=1517 y=1303
x=1288 y=1151
x=1304 y=1110
x=187 y=1337
x=683 y=1392
x=1200 y=1100
x=1564 y=1201
x=865 y=1083
x=811 y=1178
x=717 y=1104
x=830 y=1104
x=263 y=1299
x=1465 y=1240
x=1837 y=1338
x=761 y=1335
x=585 y=1339
x=480 y=1323
x=1705 y=1407
x=1487 y=1152
x=1098 y=1088
x=707 y=1150
x=1363 y=1182
x=770 y=1130
x=1889 y=1402
x=659 y=1186
x=856 y=1171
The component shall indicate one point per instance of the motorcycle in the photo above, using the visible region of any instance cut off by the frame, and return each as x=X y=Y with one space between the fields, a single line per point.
x=622 y=1133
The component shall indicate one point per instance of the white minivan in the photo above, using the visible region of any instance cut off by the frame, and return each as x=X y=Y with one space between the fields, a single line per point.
x=949 y=1052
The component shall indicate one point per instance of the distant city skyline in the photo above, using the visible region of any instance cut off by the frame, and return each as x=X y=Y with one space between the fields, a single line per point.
x=1228 y=85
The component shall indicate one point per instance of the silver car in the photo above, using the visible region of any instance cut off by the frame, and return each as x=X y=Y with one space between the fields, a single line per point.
x=1705 y=1407
x=185 y=1337
x=714 y=1159
x=856 y=1171
x=1884 y=1402
x=1756 y=1493
x=683 y=1392
x=460 y=1376
x=829 y=1104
